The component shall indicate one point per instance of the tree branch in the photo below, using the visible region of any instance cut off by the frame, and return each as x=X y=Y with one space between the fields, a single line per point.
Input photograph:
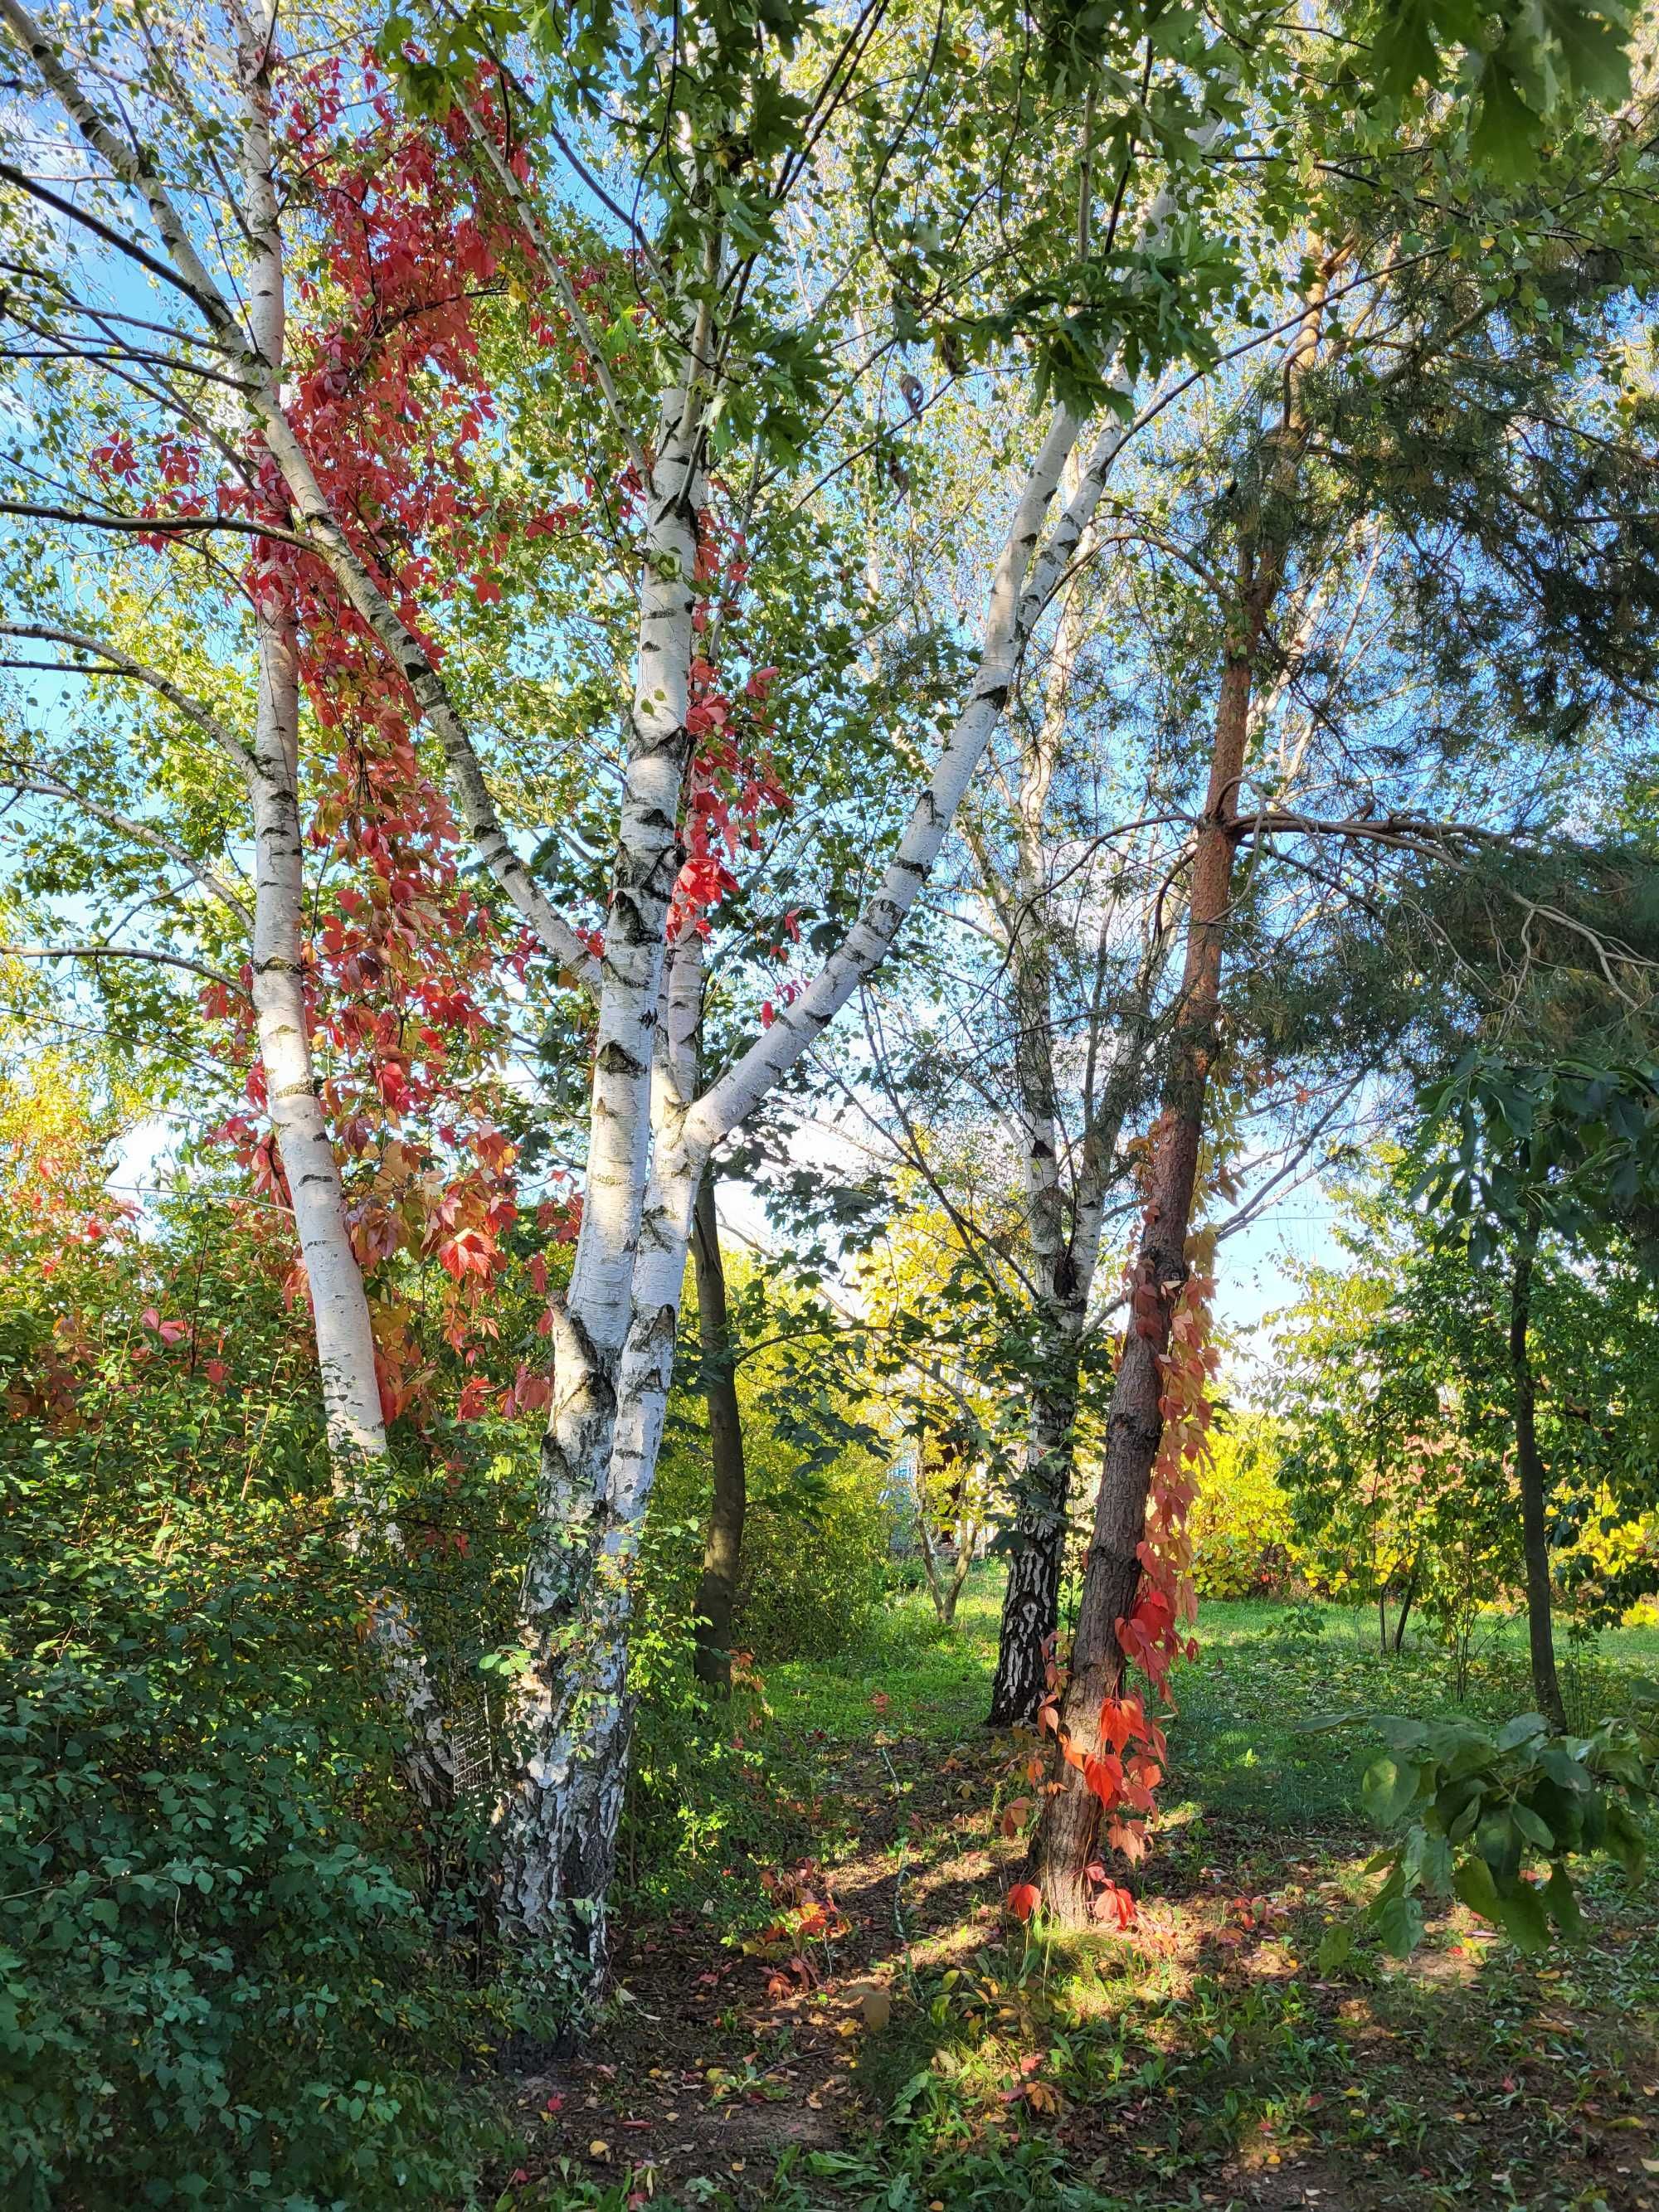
x=123 y=953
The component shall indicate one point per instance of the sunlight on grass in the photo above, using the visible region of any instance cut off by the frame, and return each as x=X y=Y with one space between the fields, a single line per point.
x=1203 y=2060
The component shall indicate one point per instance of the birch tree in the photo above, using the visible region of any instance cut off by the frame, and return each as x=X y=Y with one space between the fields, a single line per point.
x=717 y=386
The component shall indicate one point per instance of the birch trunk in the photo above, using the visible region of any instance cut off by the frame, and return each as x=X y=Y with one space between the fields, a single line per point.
x=614 y=1336
x=339 y=1306
x=1030 y=1596
x=1030 y=1600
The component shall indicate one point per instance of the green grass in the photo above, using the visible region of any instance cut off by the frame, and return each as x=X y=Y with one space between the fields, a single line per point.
x=1206 y=2061
x=1237 y=1746
x=935 y=1678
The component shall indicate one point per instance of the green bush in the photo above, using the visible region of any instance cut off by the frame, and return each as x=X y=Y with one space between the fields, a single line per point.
x=815 y=1542
x=217 y=1985
x=815 y=1563
x=700 y=1795
x=1241 y=1519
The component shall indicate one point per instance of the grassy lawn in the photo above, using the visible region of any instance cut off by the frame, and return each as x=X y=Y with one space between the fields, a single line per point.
x=828 y=2007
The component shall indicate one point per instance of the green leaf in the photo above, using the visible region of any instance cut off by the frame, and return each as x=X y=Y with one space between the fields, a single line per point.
x=1625 y=1840
x=1473 y=1881
x=1506 y=129
x=1459 y=1750
x=1521 y=1909
x=1398 y=1924
x=1594 y=43
x=1562 y=1900
x=1532 y=1827
x=1500 y=1842
x=1388 y=1789
x=1402 y=1735
x=1525 y=1728
x=1334 y=1946
x=1437 y=1865
x=1405 y=49
x=1559 y=1763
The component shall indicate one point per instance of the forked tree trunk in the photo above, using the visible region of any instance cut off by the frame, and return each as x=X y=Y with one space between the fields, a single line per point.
x=571 y=1712
x=722 y=1554
x=614 y=1334
x=1064 y=1261
x=1535 y=1484
x=945 y=1583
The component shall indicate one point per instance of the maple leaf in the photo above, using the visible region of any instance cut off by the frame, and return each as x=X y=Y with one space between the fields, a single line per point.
x=1024 y=1899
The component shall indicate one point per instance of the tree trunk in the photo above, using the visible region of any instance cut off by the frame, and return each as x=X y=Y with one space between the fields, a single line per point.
x=946 y=1588
x=722 y=1557
x=339 y=1305
x=1030 y=1597
x=573 y=1711
x=1030 y=1600
x=1065 y=1267
x=614 y=1341
x=1066 y=1838
x=1535 y=1482
x=1065 y=1845
x=1405 y=1604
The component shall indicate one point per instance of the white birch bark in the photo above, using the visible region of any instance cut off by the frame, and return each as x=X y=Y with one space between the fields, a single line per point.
x=573 y=1710
x=339 y=1304
x=1031 y=1592
x=614 y=1336
x=600 y=1454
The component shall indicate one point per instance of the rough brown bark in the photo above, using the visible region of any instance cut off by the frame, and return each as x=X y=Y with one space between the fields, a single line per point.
x=1065 y=1840
x=1405 y=1604
x=722 y=1557
x=1545 y=1685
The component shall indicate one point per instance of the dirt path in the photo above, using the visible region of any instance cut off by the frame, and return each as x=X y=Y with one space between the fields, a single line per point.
x=715 y=2059
x=1236 y=2077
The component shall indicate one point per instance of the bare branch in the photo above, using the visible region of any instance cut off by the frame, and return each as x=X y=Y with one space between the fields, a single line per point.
x=123 y=953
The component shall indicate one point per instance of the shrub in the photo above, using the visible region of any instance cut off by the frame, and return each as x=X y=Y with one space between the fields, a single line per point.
x=815 y=1562
x=217 y=1984
x=816 y=1556
x=700 y=1792
x=1241 y=1519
